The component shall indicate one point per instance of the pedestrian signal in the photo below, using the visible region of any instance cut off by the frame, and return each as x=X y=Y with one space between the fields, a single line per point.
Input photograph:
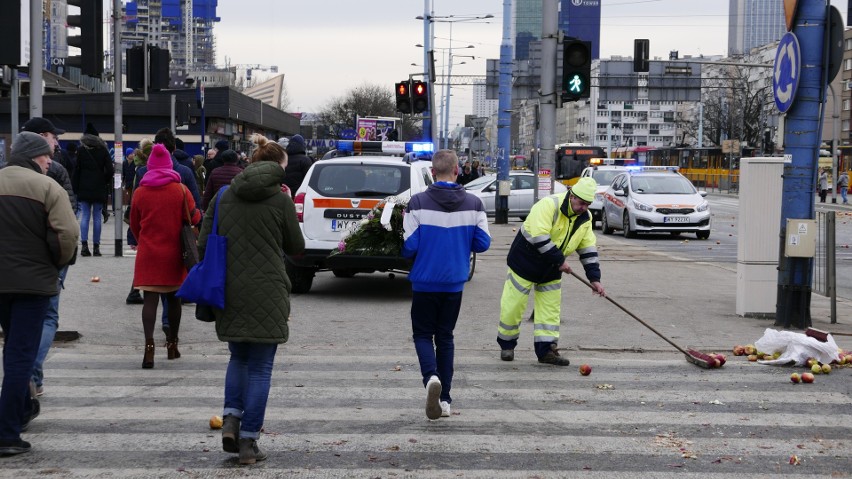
x=403 y=97
x=576 y=69
x=419 y=97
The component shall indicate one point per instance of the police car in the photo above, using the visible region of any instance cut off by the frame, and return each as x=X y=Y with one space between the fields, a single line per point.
x=603 y=171
x=654 y=200
x=337 y=193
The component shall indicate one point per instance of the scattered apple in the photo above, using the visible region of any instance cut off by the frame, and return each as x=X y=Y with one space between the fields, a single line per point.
x=795 y=378
x=816 y=369
x=752 y=357
x=849 y=359
x=96 y=279
x=216 y=422
x=811 y=361
x=739 y=350
x=841 y=360
x=826 y=369
x=585 y=370
x=750 y=349
x=776 y=355
x=807 y=378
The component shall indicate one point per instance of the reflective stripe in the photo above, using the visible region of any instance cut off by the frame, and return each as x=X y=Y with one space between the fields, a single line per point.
x=592 y=260
x=543 y=288
x=589 y=250
x=556 y=208
x=509 y=327
x=517 y=285
x=545 y=339
x=534 y=240
x=547 y=327
x=507 y=337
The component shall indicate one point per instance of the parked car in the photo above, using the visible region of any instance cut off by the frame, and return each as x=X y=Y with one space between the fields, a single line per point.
x=520 y=197
x=603 y=175
x=655 y=200
x=338 y=192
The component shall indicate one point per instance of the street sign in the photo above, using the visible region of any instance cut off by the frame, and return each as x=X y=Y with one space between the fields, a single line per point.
x=479 y=144
x=730 y=146
x=834 y=34
x=479 y=122
x=785 y=79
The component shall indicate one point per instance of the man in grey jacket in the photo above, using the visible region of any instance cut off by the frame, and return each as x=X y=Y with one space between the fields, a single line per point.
x=40 y=234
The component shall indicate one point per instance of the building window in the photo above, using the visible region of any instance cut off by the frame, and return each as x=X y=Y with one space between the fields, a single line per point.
x=847 y=64
x=848 y=45
x=846 y=103
x=844 y=125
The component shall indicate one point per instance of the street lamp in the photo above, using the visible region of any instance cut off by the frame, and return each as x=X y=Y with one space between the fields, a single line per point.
x=445 y=91
x=447 y=101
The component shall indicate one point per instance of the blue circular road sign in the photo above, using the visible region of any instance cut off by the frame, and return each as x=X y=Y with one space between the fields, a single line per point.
x=788 y=68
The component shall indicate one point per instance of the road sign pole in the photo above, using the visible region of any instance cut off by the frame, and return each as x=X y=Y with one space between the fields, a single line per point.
x=801 y=141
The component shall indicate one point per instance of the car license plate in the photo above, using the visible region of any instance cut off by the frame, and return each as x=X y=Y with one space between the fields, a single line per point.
x=344 y=225
x=676 y=219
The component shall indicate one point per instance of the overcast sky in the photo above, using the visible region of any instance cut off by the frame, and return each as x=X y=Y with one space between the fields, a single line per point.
x=326 y=46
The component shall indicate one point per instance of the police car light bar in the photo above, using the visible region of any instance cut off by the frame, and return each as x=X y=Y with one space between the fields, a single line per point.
x=392 y=147
x=653 y=168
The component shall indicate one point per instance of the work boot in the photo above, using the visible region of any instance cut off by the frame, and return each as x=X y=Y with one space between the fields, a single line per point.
x=250 y=452
x=96 y=250
x=553 y=357
x=85 y=251
x=231 y=434
x=507 y=354
x=134 y=297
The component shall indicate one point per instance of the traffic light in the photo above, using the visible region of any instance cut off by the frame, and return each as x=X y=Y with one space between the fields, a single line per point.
x=640 y=54
x=158 y=68
x=419 y=97
x=90 y=41
x=576 y=69
x=403 y=97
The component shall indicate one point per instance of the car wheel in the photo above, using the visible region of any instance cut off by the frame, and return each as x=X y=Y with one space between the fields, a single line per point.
x=605 y=228
x=472 y=266
x=628 y=233
x=343 y=273
x=300 y=278
x=702 y=234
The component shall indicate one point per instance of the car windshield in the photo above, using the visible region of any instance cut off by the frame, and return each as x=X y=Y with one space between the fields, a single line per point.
x=604 y=177
x=360 y=180
x=480 y=182
x=662 y=185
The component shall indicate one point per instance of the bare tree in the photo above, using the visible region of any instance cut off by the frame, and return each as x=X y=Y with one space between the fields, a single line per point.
x=365 y=100
x=737 y=104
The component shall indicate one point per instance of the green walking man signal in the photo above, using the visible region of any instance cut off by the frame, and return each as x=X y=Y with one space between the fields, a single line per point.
x=576 y=69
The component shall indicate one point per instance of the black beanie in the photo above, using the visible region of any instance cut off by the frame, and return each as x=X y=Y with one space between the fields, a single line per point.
x=90 y=130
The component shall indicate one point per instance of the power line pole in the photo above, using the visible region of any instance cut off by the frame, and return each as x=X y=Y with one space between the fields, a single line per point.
x=547 y=94
x=118 y=123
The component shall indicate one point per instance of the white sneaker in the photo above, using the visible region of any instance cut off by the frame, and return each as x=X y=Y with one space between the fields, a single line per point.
x=433 y=396
x=445 y=409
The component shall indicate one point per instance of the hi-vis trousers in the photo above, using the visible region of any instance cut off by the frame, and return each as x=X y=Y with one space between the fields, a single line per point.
x=547 y=299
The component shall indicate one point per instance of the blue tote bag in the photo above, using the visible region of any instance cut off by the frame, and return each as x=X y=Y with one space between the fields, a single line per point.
x=205 y=282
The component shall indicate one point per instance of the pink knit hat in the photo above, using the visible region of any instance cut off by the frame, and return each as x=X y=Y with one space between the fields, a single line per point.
x=160 y=158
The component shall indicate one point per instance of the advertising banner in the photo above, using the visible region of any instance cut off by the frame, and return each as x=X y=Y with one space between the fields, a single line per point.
x=374 y=129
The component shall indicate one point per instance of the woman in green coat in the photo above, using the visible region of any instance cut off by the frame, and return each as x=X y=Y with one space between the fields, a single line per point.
x=259 y=221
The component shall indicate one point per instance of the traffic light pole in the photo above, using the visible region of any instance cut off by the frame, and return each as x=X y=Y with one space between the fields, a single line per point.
x=118 y=147
x=36 y=57
x=547 y=95
x=504 y=118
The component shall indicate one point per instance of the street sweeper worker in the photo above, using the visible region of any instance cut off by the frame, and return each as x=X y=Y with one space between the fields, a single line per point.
x=557 y=226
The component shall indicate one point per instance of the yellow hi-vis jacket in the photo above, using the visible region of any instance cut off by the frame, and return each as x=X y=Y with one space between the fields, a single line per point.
x=551 y=232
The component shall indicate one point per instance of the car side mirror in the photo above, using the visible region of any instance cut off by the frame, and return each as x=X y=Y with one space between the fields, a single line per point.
x=702 y=193
x=491 y=188
x=620 y=193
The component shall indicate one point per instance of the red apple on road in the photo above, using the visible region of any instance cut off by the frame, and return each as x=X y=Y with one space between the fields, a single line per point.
x=585 y=370
x=739 y=350
x=807 y=378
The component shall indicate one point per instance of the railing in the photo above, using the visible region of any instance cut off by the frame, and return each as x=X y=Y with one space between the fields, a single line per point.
x=825 y=266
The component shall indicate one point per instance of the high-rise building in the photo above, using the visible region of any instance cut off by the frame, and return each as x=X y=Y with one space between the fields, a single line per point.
x=754 y=23
x=579 y=19
x=482 y=106
x=184 y=27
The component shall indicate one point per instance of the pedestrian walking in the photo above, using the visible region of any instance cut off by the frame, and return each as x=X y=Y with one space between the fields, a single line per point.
x=843 y=186
x=39 y=236
x=442 y=226
x=466 y=175
x=259 y=221
x=58 y=173
x=298 y=163
x=92 y=182
x=221 y=176
x=557 y=226
x=158 y=210
x=823 y=185
x=200 y=173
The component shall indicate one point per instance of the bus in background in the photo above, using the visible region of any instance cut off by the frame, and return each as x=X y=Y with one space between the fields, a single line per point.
x=572 y=159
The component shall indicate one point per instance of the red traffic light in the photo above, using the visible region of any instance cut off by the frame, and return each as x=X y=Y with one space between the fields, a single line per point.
x=419 y=97
x=403 y=99
x=402 y=89
x=419 y=89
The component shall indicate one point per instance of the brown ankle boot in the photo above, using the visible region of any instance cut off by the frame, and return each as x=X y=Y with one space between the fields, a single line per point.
x=148 y=358
x=171 y=348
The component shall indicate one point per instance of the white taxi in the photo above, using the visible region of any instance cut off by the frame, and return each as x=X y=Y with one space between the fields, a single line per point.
x=339 y=192
x=655 y=200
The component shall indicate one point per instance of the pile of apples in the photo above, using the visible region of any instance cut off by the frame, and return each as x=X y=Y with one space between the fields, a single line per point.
x=752 y=354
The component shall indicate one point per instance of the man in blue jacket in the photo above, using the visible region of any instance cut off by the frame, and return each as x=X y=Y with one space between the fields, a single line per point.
x=442 y=226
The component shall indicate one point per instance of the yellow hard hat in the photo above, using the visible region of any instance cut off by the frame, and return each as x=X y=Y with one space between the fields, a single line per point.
x=585 y=189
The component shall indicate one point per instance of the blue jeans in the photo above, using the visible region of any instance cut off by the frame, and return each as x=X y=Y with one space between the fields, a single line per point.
x=51 y=324
x=433 y=319
x=247 y=384
x=91 y=210
x=22 y=319
x=843 y=192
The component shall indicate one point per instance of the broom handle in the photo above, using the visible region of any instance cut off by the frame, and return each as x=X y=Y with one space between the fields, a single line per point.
x=632 y=315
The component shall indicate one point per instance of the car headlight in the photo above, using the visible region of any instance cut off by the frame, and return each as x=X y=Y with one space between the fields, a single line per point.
x=599 y=196
x=702 y=207
x=642 y=206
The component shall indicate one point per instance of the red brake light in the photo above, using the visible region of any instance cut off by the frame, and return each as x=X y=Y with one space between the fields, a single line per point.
x=300 y=207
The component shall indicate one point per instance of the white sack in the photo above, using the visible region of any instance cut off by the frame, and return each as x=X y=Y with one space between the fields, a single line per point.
x=796 y=347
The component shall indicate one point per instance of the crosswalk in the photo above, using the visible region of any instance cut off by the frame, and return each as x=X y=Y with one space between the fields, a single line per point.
x=359 y=413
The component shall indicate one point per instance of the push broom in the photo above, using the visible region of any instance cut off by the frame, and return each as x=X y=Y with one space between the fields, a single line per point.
x=695 y=357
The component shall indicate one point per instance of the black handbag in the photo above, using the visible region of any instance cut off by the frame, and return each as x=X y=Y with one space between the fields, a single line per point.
x=204 y=313
x=188 y=237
